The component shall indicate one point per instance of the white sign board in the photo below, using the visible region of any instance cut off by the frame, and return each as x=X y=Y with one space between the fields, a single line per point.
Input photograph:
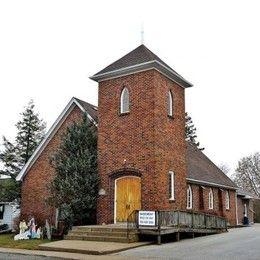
x=146 y=218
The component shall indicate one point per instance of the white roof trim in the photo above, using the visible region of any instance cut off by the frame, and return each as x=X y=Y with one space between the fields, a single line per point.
x=211 y=184
x=95 y=77
x=154 y=64
x=52 y=131
x=84 y=110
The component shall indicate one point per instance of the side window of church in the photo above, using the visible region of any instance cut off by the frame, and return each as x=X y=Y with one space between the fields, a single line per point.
x=189 y=197
x=211 y=199
x=170 y=104
x=227 y=200
x=2 y=208
x=124 y=101
x=171 y=186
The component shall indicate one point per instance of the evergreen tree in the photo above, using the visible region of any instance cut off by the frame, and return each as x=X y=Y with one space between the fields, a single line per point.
x=190 y=132
x=75 y=187
x=30 y=132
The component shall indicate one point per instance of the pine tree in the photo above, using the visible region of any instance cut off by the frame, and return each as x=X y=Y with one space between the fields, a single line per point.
x=30 y=132
x=75 y=187
x=190 y=132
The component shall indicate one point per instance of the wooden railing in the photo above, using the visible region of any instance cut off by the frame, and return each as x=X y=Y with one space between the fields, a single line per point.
x=179 y=219
x=190 y=220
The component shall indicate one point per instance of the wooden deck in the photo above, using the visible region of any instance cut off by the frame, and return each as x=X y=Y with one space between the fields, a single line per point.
x=170 y=222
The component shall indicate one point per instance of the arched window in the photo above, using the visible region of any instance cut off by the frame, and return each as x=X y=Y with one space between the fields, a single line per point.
x=227 y=200
x=124 y=101
x=170 y=103
x=245 y=210
x=211 y=199
x=171 y=186
x=189 y=197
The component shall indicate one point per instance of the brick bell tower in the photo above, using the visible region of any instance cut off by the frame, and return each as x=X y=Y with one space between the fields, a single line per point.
x=141 y=136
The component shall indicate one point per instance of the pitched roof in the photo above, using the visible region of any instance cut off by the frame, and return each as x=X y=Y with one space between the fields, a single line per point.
x=246 y=194
x=90 y=109
x=84 y=106
x=137 y=60
x=139 y=55
x=202 y=170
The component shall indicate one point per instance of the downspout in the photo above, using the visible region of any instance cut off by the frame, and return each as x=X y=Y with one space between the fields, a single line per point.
x=236 y=207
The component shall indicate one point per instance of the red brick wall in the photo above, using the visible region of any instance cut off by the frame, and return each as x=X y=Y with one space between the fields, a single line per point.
x=145 y=141
x=218 y=198
x=34 y=185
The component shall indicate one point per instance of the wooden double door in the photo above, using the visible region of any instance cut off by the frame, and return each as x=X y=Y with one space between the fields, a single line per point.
x=127 y=197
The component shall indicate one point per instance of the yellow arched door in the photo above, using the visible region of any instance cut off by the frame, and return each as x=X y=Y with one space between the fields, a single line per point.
x=128 y=197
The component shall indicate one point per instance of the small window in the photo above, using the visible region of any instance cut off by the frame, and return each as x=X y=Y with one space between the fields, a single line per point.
x=170 y=104
x=211 y=199
x=171 y=186
x=189 y=197
x=245 y=210
x=124 y=101
x=227 y=200
x=2 y=209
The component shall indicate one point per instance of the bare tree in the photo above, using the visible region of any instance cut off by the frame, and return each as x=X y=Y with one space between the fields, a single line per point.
x=224 y=168
x=247 y=174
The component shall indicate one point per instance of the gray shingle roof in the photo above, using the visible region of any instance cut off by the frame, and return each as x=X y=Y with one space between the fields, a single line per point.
x=139 y=55
x=90 y=109
x=246 y=194
x=139 y=59
x=201 y=168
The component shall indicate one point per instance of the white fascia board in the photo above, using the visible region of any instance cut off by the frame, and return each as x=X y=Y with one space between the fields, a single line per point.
x=83 y=109
x=210 y=184
x=154 y=64
x=52 y=131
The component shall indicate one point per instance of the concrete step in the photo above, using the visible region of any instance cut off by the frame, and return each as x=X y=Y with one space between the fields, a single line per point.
x=103 y=229
x=100 y=233
x=108 y=233
x=104 y=239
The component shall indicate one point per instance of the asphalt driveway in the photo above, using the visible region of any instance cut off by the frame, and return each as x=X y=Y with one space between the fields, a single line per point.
x=239 y=243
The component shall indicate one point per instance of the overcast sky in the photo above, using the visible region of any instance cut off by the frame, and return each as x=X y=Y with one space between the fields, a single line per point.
x=49 y=49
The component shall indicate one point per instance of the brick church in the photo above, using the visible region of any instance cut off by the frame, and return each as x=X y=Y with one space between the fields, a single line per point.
x=144 y=161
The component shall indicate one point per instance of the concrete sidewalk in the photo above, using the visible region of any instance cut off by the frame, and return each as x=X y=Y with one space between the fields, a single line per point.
x=89 y=247
x=65 y=255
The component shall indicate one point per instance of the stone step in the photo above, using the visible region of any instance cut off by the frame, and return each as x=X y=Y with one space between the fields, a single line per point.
x=100 y=233
x=102 y=238
x=101 y=229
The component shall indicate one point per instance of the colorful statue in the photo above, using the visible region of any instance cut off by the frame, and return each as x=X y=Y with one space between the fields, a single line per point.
x=32 y=227
x=39 y=233
x=22 y=226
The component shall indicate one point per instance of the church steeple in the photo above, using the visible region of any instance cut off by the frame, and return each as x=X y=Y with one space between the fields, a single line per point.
x=141 y=140
x=139 y=59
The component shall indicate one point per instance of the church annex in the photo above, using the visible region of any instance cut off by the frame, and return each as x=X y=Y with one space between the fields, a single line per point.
x=144 y=161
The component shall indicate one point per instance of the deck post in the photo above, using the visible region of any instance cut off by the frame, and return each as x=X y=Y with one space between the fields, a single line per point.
x=192 y=220
x=159 y=228
x=178 y=236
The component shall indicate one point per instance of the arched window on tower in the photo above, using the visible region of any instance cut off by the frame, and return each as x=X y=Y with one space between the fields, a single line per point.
x=170 y=104
x=124 y=101
x=189 y=197
x=211 y=199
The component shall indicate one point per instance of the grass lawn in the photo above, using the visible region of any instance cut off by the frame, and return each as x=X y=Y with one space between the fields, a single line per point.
x=7 y=240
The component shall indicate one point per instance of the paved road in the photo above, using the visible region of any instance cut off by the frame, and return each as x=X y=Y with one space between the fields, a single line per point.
x=239 y=243
x=10 y=256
